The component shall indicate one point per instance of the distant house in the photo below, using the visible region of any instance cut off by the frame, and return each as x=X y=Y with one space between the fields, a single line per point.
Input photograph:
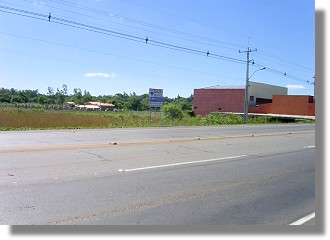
x=71 y=104
x=93 y=106
x=100 y=105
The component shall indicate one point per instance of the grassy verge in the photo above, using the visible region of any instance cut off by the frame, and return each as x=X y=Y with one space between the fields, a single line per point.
x=26 y=119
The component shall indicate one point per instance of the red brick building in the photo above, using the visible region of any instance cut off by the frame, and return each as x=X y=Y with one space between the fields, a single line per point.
x=231 y=98
x=209 y=100
x=263 y=98
x=287 y=104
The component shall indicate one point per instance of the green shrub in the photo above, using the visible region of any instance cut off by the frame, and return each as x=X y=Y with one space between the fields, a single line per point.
x=172 y=111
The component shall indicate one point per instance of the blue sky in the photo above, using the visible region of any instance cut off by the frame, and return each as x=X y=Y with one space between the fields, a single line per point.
x=37 y=53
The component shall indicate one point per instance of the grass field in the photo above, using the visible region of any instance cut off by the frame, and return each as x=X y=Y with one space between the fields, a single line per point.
x=25 y=119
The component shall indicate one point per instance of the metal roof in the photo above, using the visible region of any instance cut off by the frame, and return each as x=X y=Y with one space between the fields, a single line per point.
x=224 y=87
x=239 y=86
x=100 y=104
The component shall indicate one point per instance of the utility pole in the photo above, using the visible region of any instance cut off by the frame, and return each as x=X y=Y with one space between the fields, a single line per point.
x=312 y=83
x=314 y=88
x=247 y=84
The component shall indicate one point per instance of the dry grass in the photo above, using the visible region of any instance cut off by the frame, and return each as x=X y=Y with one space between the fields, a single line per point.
x=41 y=119
x=23 y=119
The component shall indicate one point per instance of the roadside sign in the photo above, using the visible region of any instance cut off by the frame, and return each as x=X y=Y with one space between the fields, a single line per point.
x=155 y=97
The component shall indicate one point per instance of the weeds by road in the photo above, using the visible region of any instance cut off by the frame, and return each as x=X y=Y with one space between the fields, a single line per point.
x=26 y=119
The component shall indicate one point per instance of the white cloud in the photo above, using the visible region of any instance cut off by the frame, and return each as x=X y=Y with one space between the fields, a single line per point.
x=295 y=87
x=100 y=74
x=38 y=3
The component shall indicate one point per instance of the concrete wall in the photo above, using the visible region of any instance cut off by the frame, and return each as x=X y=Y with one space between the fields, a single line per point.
x=261 y=90
x=292 y=104
x=262 y=108
x=207 y=101
x=288 y=105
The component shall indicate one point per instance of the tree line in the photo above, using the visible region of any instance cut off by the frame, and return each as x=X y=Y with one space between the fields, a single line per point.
x=59 y=96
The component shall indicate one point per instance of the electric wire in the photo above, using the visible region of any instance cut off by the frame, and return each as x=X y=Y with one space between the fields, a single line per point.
x=114 y=55
x=188 y=20
x=112 y=33
x=163 y=28
x=285 y=74
x=295 y=65
x=125 y=25
x=284 y=64
x=144 y=23
x=130 y=37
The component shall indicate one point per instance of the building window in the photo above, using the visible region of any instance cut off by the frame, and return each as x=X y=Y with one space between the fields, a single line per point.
x=251 y=98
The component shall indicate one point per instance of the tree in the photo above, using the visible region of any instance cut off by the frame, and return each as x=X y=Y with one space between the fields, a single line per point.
x=119 y=100
x=51 y=95
x=123 y=100
x=133 y=103
x=23 y=96
x=87 y=96
x=184 y=103
x=16 y=99
x=44 y=100
x=59 y=97
x=77 y=96
x=13 y=91
x=5 y=97
x=64 y=90
x=30 y=95
x=50 y=91
x=145 y=103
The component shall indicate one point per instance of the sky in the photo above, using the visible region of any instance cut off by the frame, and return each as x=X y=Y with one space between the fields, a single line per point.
x=116 y=46
x=21 y=68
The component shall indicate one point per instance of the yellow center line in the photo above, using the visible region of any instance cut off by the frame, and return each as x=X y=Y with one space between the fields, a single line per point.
x=98 y=145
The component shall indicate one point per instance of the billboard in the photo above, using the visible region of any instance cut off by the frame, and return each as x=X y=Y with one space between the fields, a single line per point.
x=155 y=97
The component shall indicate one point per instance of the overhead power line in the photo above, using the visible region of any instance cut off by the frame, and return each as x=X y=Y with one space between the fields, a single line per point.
x=62 y=21
x=100 y=12
x=191 y=36
x=281 y=61
x=147 y=40
x=214 y=42
x=176 y=35
x=281 y=73
x=111 y=54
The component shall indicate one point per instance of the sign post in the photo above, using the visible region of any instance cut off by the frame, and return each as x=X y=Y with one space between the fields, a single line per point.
x=155 y=99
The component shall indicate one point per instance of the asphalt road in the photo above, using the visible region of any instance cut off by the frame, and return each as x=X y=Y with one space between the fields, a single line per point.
x=236 y=175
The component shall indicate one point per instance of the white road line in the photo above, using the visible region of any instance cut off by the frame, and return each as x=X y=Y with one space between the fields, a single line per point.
x=304 y=219
x=182 y=163
x=309 y=147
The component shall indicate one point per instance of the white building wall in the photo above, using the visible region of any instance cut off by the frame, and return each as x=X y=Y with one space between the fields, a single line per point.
x=261 y=90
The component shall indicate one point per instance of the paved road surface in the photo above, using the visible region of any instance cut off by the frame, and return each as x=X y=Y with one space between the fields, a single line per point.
x=170 y=176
